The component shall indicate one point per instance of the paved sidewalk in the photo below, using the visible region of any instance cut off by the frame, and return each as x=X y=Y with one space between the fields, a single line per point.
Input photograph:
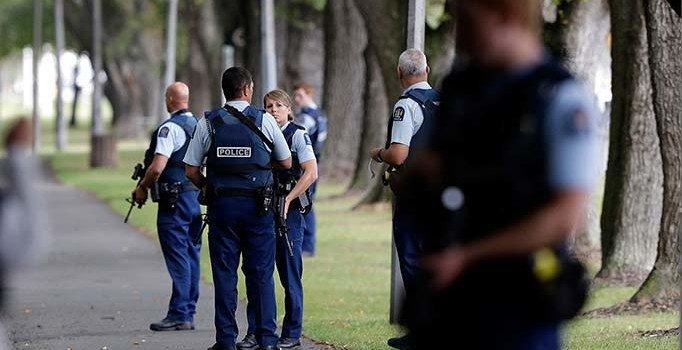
x=100 y=287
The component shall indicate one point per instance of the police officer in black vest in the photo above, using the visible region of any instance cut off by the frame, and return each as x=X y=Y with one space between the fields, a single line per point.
x=178 y=220
x=241 y=145
x=514 y=157
x=409 y=126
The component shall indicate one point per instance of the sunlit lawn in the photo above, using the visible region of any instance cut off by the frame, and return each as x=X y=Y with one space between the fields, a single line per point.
x=347 y=283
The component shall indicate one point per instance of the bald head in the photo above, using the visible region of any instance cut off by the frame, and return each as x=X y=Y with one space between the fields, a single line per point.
x=177 y=97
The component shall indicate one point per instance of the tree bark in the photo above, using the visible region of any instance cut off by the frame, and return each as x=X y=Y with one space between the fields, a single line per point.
x=632 y=195
x=203 y=69
x=374 y=122
x=665 y=60
x=580 y=34
x=302 y=57
x=345 y=42
x=387 y=37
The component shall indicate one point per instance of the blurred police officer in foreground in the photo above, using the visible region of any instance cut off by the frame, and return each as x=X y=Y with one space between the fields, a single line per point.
x=313 y=119
x=179 y=216
x=241 y=145
x=515 y=150
x=408 y=128
x=291 y=183
x=24 y=235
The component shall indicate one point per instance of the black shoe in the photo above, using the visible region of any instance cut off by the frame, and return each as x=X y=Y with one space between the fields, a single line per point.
x=288 y=343
x=169 y=325
x=219 y=347
x=249 y=342
x=269 y=347
x=403 y=343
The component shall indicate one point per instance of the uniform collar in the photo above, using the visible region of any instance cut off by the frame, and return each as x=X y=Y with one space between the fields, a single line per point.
x=179 y=112
x=419 y=85
x=238 y=104
x=285 y=125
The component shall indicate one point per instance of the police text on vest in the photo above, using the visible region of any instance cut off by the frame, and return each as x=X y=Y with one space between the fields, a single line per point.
x=234 y=152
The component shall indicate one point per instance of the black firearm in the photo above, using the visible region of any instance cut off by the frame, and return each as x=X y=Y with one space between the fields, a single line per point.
x=138 y=174
x=280 y=216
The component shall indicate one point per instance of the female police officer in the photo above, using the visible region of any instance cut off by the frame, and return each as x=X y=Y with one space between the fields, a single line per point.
x=289 y=249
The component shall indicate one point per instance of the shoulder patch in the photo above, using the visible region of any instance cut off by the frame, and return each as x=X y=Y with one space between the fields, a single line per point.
x=163 y=132
x=399 y=114
x=307 y=140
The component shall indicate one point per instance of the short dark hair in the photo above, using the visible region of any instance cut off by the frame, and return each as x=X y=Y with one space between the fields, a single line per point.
x=234 y=80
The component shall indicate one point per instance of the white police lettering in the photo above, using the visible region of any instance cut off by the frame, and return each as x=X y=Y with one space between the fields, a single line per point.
x=234 y=152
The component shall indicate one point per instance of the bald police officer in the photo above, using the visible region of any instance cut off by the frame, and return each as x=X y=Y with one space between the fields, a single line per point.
x=178 y=219
x=408 y=129
x=241 y=145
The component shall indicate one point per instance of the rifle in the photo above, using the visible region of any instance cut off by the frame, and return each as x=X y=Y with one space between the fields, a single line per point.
x=138 y=174
x=280 y=215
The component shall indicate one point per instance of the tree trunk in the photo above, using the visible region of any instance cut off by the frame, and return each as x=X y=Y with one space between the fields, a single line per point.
x=387 y=37
x=374 y=122
x=204 y=62
x=665 y=60
x=345 y=42
x=302 y=57
x=582 y=34
x=632 y=195
x=131 y=57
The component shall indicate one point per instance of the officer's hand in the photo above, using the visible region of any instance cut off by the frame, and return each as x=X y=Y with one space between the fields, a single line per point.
x=140 y=195
x=375 y=154
x=446 y=267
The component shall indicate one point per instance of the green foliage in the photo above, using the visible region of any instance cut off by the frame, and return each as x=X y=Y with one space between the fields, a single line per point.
x=436 y=14
x=16 y=24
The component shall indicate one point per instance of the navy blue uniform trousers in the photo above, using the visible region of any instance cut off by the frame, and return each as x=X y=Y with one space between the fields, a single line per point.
x=309 y=227
x=178 y=229
x=408 y=246
x=290 y=270
x=237 y=228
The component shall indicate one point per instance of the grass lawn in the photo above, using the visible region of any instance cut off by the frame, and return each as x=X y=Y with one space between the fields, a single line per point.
x=347 y=283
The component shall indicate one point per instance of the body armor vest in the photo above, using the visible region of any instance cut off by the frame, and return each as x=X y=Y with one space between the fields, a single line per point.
x=237 y=157
x=175 y=168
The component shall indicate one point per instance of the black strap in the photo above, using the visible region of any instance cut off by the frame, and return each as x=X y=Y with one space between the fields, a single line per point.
x=250 y=124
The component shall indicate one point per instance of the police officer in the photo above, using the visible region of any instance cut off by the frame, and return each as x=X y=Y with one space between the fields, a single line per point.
x=408 y=131
x=241 y=145
x=517 y=149
x=303 y=174
x=178 y=218
x=313 y=119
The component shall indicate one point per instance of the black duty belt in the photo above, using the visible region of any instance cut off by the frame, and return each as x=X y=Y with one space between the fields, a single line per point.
x=238 y=192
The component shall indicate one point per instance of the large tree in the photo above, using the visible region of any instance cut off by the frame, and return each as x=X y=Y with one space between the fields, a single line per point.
x=132 y=31
x=632 y=195
x=664 y=29
x=344 y=76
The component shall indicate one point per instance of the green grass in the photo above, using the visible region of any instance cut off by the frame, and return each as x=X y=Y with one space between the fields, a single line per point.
x=347 y=283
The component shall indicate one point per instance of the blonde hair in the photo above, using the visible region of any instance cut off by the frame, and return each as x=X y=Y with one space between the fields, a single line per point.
x=279 y=96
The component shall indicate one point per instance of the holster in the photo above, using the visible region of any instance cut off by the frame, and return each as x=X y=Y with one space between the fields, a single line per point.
x=266 y=200
x=168 y=194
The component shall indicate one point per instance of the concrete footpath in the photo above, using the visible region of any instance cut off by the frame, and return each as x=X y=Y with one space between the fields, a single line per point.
x=100 y=287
